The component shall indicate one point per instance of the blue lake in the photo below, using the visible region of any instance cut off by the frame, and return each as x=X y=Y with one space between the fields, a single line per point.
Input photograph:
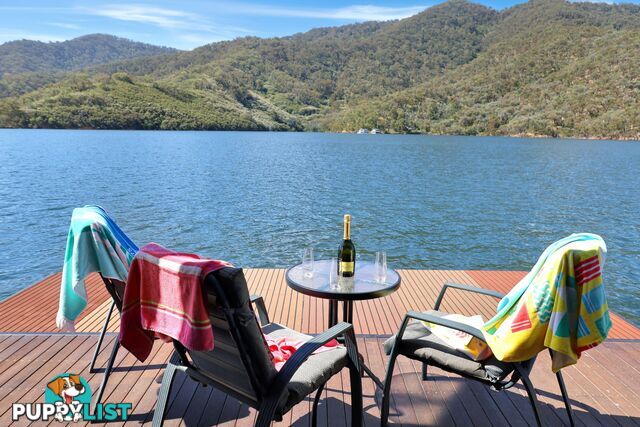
x=257 y=199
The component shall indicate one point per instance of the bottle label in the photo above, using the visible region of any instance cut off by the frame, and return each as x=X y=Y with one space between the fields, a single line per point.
x=346 y=267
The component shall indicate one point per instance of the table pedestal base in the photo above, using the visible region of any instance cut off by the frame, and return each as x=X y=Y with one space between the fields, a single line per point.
x=347 y=316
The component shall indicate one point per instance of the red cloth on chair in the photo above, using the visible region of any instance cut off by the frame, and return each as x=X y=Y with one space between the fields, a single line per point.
x=164 y=299
x=282 y=349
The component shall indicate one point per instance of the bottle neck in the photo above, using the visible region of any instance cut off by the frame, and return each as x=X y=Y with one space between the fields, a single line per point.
x=347 y=230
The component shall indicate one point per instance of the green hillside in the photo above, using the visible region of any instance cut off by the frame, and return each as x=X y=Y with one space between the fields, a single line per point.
x=546 y=67
x=27 y=65
x=550 y=68
x=22 y=56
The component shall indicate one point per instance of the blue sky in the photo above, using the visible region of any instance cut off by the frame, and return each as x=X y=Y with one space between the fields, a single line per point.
x=186 y=24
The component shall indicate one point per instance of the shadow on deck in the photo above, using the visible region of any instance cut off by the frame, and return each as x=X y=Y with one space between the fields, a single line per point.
x=604 y=386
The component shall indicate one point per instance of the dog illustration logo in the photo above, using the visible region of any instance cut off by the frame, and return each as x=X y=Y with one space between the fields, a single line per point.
x=67 y=398
x=68 y=390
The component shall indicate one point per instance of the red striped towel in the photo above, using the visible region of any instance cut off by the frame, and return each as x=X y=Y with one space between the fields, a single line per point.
x=164 y=299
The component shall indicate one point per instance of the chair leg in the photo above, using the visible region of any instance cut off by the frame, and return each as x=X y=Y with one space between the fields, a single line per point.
x=386 y=391
x=314 y=411
x=99 y=344
x=565 y=397
x=264 y=418
x=107 y=372
x=356 y=396
x=424 y=372
x=531 y=392
x=165 y=391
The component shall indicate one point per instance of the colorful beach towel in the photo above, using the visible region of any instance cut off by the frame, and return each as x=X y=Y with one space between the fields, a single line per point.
x=560 y=304
x=164 y=299
x=95 y=243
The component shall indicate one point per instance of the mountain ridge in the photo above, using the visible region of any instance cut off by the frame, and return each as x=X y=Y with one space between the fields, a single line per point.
x=19 y=56
x=546 y=67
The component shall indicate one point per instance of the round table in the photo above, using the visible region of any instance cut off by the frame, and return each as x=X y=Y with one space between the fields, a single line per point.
x=361 y=286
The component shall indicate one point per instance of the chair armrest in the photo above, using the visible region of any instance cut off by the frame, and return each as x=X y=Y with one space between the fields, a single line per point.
x=263 y=315
x=303 y=353
x=466 y=288
x=426 y=317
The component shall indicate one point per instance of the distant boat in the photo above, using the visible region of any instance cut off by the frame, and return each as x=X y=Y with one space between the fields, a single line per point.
x=375 y=131
x=362 y=131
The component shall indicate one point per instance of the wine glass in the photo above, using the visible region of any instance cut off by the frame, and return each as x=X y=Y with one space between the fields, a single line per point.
x=381 y=267
x=307 y=262
x=334 y=284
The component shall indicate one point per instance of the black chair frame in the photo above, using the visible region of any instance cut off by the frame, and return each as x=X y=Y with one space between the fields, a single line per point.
x=268 y=404
x=521 y=370
x=116 y=290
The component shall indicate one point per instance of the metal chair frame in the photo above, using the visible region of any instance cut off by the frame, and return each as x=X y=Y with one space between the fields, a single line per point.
x=521 y=370
x=268 y=404
x=116 y=290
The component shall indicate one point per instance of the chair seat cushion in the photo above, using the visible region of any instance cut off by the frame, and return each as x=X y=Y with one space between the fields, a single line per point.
x=420 y=344
x=317 y=369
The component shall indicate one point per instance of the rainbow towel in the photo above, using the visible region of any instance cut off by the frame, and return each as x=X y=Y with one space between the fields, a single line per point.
x=560 y=304
x=94 y=243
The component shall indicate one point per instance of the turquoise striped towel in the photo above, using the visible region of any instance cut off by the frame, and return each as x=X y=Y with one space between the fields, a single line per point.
x=95 y=244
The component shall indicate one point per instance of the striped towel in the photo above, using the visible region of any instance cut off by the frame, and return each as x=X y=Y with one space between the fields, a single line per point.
x=164 y=299
x=95 y=243
x=560 y=304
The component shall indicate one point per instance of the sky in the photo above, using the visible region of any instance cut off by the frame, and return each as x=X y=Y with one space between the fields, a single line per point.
x=186 y=24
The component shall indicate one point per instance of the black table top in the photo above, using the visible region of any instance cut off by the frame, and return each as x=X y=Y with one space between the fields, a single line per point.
x=361 y=286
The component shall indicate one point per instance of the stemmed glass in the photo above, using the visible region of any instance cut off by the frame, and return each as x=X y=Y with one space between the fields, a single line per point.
x=334 y=284
x=381 y=267
x=307 y=262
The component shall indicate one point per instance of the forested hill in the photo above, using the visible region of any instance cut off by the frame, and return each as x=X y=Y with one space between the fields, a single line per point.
x=27 y=65
x=546 y=67
x=31 y=56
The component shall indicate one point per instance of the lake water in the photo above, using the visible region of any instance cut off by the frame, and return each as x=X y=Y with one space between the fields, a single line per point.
x=257 y=199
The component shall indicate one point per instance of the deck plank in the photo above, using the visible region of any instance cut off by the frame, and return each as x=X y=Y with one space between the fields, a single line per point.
x=604 y=386
x=442 y=400
x=46 y=295
x=382 y=316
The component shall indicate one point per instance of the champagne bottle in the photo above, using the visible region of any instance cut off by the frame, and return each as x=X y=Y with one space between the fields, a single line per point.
x=347 y=252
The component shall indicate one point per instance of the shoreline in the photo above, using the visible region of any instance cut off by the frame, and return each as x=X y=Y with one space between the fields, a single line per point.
x=519 y=135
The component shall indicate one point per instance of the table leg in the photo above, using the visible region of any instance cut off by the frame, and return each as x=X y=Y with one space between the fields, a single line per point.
x=347 y=316
x=345 y=311
x=370 y=374
x=333 y=312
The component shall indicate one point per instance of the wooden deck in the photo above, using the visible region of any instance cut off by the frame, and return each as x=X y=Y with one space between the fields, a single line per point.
x=604 y=387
